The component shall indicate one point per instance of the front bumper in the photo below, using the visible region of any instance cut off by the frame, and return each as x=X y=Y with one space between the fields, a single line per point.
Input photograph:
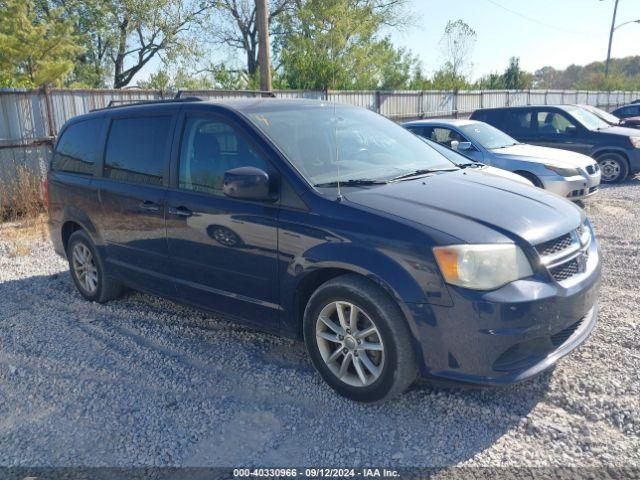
x=573 y=188
x=510 y=334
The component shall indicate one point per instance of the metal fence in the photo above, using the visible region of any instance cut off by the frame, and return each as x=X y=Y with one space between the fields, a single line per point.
x=31 y=119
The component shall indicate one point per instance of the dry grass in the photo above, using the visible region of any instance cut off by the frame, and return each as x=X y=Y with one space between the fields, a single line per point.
x=20 y=235
x=21 y=198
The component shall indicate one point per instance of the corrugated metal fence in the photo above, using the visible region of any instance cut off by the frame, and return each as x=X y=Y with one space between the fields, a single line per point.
x=30 y=119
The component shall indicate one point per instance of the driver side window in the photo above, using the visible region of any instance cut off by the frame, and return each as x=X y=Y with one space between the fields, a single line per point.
x=553 y=123
x=208 y=149
x=445 y=136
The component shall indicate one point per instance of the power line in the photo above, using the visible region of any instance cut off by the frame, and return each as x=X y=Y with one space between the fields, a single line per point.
x=534 y=20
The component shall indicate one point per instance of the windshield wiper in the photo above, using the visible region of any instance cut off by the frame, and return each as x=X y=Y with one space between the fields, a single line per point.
x=506 y=146
x=353 y=182
x=471 y=164
x=417 y=173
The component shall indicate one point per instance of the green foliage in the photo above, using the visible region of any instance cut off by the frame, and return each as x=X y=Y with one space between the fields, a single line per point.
x=335 y=44
x=36 y=47
x=513 y=78
x=624 y=74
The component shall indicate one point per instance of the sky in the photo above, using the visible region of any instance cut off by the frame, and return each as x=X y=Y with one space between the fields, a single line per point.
x=540 y=32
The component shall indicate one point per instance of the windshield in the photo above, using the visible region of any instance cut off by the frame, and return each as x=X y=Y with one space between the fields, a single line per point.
x=587 y=119
x=606 y=116
x=352 y=144
x=487 y=136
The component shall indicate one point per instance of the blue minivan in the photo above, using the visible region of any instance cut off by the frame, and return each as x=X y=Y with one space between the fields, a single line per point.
x=327 y=223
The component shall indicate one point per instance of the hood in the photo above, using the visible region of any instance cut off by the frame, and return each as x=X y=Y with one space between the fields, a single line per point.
x=620 y=131
x=505 y=174
x=475 y=207
x=534 y=153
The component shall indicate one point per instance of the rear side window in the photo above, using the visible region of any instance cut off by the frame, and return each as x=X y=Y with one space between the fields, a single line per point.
x=136 y=149
x=77 y=150
x=515 y=122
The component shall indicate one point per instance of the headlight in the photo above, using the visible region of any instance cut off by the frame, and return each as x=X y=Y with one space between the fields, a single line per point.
x=584 y=232
x=635 y=141
x=482 y=267
x=563 y=172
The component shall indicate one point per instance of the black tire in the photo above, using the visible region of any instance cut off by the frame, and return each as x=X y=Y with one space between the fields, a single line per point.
x=399 y=367
x=106 y=287
x=614 y=167
x=532 y=178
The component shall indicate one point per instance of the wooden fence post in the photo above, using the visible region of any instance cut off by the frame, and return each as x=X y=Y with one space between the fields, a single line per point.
x=49 y=109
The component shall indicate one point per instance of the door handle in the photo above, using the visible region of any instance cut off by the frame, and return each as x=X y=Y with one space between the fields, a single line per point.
x=149 y=206
x=180 y=211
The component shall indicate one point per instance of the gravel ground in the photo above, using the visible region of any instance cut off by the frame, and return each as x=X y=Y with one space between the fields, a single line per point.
x=142 y=381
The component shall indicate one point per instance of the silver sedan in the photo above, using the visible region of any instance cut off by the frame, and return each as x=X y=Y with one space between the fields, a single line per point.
x=569 y=174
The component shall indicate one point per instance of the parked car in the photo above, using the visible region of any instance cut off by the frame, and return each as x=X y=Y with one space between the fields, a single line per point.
x=466 y=162
x=569 y=174
x=627 y=111
x=616 y=149
x=611 y=119
x=331 y=224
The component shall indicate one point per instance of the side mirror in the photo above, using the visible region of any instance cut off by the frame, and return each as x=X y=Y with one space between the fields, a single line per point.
x=247 y=183
x=465 y=146
x=571 y=130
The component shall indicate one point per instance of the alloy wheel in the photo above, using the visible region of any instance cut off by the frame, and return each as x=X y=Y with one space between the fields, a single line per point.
x=350 y=343
x=85 y=268
x=610 y=170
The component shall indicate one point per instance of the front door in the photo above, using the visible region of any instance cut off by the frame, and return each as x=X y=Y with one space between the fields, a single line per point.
x=451 y=139
x=555 y=129
x=222 y=251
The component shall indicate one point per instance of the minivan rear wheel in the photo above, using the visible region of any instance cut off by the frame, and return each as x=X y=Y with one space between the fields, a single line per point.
x=613 y=167
x=358 y=340
x=87 y=270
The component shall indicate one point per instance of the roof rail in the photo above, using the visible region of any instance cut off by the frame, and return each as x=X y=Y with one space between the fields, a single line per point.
x=234 y=93
x=127 y=103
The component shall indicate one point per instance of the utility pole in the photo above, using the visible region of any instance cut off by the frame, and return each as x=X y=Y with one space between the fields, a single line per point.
x=613 y=27
x=264 y=60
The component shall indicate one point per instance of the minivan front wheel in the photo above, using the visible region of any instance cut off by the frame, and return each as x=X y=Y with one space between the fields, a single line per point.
x=358 y=340
x=87 y=270
x=613 y=167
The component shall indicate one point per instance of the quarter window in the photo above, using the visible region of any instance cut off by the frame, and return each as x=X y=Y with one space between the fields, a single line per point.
x=136 y=149
x=77 y=149
x=209 y=148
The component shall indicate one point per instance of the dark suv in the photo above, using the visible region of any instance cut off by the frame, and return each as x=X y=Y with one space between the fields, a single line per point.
x=616 y=149
x=328 y=223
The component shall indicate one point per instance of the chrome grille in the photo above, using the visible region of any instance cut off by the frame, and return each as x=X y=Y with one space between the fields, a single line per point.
x=554 y=246
x=566 y=270
x=566 y=256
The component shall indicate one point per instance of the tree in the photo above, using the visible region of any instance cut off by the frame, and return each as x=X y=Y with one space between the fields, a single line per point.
x=146 y=29
x=234 y=25
x=92 y=27
x=335 y=44
x=457 y=45
x=122 y=36
x=35 y=48
x=493 y=81
x=514 y=78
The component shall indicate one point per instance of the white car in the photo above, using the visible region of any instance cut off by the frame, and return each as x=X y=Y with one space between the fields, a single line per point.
x=570 y=174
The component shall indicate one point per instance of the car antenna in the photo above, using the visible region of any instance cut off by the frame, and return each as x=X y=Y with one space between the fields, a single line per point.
x=335 y=120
